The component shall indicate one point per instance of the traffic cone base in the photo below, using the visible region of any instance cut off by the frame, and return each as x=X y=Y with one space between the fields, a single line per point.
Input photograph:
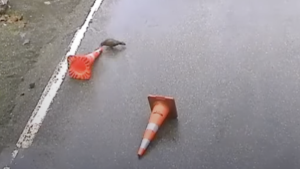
x=80 y=66
x=169 y=101
x=161 y=108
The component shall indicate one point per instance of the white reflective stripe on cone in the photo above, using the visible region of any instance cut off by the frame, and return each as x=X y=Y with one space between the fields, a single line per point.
x=152 y=126
x=145 y=143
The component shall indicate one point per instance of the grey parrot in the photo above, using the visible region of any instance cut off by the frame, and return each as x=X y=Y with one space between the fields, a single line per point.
x=111 y=43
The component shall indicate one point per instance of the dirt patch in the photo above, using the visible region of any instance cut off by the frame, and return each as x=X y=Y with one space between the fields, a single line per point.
x=34 y=36
x=14 y=60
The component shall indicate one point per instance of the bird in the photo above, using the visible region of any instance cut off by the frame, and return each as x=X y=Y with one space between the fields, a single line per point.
x=111 y=43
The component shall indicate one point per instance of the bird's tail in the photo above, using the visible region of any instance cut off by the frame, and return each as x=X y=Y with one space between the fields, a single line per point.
x=122 y=43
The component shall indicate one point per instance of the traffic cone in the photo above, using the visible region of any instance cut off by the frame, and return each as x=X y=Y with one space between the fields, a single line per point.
x=80 y=66
x=162 y=107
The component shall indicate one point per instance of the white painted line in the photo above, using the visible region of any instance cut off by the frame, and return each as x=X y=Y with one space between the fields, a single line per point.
x=13 y=156
x=53 y=85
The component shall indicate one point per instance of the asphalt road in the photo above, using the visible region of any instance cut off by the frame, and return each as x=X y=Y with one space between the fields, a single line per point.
x=232 y=66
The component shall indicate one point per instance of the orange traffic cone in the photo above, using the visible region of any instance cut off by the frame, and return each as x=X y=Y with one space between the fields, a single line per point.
x=162 y=107
x=80 y=66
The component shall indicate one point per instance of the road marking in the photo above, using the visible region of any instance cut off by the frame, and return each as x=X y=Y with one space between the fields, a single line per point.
x=40 y=111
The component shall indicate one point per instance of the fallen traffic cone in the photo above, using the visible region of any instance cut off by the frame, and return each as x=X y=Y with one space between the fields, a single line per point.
x=162 y=107
x=80 y=66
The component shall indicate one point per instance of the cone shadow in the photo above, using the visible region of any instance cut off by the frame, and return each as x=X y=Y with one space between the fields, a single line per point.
x=168 y=132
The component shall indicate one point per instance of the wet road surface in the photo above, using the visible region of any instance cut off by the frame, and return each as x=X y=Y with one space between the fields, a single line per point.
x=233 y=68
